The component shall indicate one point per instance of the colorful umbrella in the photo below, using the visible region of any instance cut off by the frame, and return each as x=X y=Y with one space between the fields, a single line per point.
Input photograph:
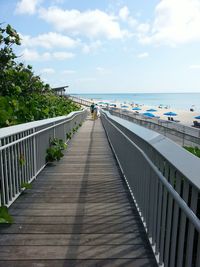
x=151 y=110
x=148 y=114
x=170 y=114
x=197 y=117
x=136 y=108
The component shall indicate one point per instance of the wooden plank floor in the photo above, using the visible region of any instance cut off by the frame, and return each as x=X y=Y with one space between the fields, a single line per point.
x=78 y=213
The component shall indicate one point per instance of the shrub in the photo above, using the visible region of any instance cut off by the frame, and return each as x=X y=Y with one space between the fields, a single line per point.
x=194 y=150
x=54 y=152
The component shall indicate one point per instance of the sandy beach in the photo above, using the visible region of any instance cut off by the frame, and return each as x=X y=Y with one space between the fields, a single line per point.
x=184 y=117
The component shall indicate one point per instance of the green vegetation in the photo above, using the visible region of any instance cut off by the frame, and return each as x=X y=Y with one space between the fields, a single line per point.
x=69 y=135
x=22 y=160
x=26 y=186
x=54 y=152
x=23 y=95
x=193 y=150
x=5 y=217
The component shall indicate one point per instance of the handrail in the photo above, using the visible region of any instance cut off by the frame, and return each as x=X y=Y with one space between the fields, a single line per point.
x=164 y=198
x=65 y=118
x=186 y=134
x=184 y=162
x=170 y=189
x=23 y=151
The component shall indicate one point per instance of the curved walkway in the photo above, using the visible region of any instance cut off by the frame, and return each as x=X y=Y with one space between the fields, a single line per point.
x=78 y=213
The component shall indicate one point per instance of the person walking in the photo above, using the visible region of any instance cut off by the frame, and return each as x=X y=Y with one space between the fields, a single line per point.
x=92 y=110
x=95 y=112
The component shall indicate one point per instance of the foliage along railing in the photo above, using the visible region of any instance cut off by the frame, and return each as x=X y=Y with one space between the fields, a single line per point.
x=23 y=151
x=164 y=181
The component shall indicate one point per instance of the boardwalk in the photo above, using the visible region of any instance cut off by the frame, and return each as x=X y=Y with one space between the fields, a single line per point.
x=78 y=213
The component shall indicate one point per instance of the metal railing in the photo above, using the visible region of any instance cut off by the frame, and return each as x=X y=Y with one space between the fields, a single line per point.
x=79 y=100
x=164 y=180
x=184 y=135
x=23 y=151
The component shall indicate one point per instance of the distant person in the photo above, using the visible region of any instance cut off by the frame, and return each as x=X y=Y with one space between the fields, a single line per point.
x=92 y=110
x=98 y=111
x=95 y=112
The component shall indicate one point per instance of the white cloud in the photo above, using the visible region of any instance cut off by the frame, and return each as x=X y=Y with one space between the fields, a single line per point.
x=48 y=71
x=34 y=55
x=124 y=13
x=27 y=6
x=143 y=28
x=88 y=48
x=176 y=22
x=49 y=40
x=143 y=55
x=91 y=23
x=63 y=55
x=194 y=66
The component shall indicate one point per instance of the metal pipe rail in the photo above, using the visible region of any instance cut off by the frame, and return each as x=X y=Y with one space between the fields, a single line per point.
x=80 y=101
x=189 y=136
x=23 y=151
x=166 y=191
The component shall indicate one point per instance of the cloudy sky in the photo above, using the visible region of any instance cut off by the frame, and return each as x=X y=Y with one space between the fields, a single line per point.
x=106 y=46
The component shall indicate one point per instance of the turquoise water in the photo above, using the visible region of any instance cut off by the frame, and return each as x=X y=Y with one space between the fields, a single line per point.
x=182 y=101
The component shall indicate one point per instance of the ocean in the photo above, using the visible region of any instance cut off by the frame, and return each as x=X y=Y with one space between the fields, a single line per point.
x=181 y=101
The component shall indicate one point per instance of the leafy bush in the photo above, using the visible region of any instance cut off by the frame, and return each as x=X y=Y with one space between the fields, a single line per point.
x=54 y=152
x=26 y=186
x=193 y=150
x=23 y=95
x=5 y=217
x=69 y=135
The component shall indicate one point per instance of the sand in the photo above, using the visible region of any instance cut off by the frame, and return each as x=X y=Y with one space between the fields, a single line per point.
x=185 y=117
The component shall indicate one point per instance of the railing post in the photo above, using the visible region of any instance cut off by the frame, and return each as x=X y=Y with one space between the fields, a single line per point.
x=34 y=154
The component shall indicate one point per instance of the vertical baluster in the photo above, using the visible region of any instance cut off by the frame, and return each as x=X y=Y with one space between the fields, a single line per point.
x=2 y=196
x=6 y=182
x=155 y=206
x=169 y=221
x=13 y=167
x=182 y=225
x=198 y=254
x=190 y=237
x=163 y=225
x=9 y=167
x=170 y=252
x=160 y=193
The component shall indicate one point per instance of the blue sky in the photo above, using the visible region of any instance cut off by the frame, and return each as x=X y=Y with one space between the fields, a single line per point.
x=110 y=46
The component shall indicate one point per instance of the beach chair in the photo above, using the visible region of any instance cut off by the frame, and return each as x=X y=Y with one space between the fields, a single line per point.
x=196 y=124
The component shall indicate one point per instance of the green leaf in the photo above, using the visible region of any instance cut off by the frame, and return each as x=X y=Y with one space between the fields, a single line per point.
x=5 y=217
x=26 y=185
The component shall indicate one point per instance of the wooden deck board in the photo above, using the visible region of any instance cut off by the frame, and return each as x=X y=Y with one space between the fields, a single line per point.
x=78 y=213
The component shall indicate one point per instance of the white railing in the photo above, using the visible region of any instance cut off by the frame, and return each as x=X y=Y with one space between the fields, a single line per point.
x=182 y=134
x=164 y=180
x=23 y=151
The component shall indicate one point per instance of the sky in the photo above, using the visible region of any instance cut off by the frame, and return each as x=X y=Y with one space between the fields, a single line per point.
x=109 y=46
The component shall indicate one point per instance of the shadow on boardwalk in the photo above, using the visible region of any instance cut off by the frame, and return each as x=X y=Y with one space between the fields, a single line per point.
x=79 y=213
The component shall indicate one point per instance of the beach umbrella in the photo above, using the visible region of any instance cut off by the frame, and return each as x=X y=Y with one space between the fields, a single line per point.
x=151 y=110
x=124 y=106
x=136 y=108
x=170 y=114
x=197 y=117
x=148 y=114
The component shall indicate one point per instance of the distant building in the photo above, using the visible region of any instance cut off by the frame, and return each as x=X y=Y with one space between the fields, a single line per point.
x=60 y=90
